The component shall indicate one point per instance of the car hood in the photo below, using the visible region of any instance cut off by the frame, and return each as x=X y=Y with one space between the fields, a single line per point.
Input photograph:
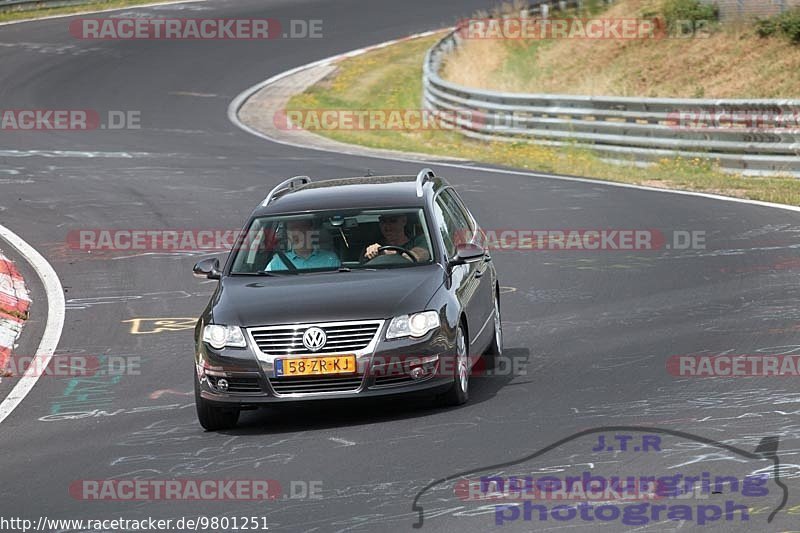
x=361 y=294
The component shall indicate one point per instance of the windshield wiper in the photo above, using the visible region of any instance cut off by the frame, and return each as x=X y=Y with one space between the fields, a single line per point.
x=344 y=269
x=258 y=273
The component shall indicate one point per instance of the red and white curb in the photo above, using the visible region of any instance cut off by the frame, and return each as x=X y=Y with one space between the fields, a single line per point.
x=14 y=304
x=54 y=325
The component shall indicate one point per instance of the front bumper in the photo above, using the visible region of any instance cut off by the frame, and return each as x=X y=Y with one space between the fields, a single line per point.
x=384 y=368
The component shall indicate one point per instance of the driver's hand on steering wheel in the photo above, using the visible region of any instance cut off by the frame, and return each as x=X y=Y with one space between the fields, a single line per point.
x=372 y=251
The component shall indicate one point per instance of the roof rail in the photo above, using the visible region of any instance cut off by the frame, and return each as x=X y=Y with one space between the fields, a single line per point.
x=286 y=185
x=424 y=175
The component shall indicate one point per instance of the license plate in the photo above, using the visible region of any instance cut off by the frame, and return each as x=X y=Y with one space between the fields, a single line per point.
x=316 y=366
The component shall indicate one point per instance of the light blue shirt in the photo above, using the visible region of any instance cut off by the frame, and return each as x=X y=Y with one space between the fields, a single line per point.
x=316 y=259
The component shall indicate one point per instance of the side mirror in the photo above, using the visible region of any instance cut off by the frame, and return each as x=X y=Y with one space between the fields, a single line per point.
x=207 y=268
x=467 y=252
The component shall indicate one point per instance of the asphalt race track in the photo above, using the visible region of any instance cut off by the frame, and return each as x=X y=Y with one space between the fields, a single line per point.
x=592 y=331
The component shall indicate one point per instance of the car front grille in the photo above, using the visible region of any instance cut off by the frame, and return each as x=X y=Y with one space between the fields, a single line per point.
x=310 y=384
x=342 y=337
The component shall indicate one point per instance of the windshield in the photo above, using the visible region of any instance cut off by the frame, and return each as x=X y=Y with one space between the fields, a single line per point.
x=334 y=240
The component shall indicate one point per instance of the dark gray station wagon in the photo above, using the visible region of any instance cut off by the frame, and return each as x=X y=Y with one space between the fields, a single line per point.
x=347 y=288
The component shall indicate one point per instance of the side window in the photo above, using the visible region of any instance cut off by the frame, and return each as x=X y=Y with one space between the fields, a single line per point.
x=462 y=229
x=446 y=226
x=257 y=244
x=462 y=208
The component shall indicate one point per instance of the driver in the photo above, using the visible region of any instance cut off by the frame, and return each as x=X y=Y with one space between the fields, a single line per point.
x=303 y=253
x=393 y=229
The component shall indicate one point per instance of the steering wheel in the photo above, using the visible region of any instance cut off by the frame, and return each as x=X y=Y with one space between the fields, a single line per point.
x=400 y=250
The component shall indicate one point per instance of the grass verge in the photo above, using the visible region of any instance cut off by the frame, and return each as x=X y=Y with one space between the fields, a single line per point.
x=729 y=60
x=24 y=14
x=391 y=78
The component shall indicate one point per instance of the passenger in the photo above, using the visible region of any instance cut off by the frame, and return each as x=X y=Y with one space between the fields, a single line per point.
x=302 y=253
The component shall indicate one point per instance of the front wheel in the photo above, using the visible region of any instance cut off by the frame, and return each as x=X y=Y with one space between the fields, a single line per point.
x=458 y=393
x=211 y=416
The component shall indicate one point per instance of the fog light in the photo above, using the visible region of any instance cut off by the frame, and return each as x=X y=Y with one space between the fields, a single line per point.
x=421 y=367
x=222 y=384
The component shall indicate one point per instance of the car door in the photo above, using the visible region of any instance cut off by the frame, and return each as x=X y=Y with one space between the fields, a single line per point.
x=482 y=302
x=466 y=279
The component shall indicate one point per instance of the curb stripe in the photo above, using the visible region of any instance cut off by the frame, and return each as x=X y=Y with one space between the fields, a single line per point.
x=13 y=294
x=14 y=303
x=10 y=328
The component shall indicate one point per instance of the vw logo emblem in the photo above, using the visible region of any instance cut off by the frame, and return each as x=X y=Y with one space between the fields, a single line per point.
x=314 y=339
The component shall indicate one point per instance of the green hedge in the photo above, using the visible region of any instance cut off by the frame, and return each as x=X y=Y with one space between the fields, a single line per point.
x=786 y=24
x=677 y=12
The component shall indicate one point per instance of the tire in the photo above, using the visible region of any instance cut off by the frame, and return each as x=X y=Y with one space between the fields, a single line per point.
x=495 y=349
x=211 y=416
x=458 y=393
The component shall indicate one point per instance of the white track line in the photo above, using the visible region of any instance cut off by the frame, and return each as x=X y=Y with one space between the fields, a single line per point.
x=237 y=103
x=50 y=281
x=101 y=10
x=53 y=327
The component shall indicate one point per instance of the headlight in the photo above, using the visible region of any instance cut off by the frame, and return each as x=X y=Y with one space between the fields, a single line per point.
x=221 y=336
x=415 y=325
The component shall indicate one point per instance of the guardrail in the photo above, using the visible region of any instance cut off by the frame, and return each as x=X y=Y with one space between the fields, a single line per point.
x=637 y=130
